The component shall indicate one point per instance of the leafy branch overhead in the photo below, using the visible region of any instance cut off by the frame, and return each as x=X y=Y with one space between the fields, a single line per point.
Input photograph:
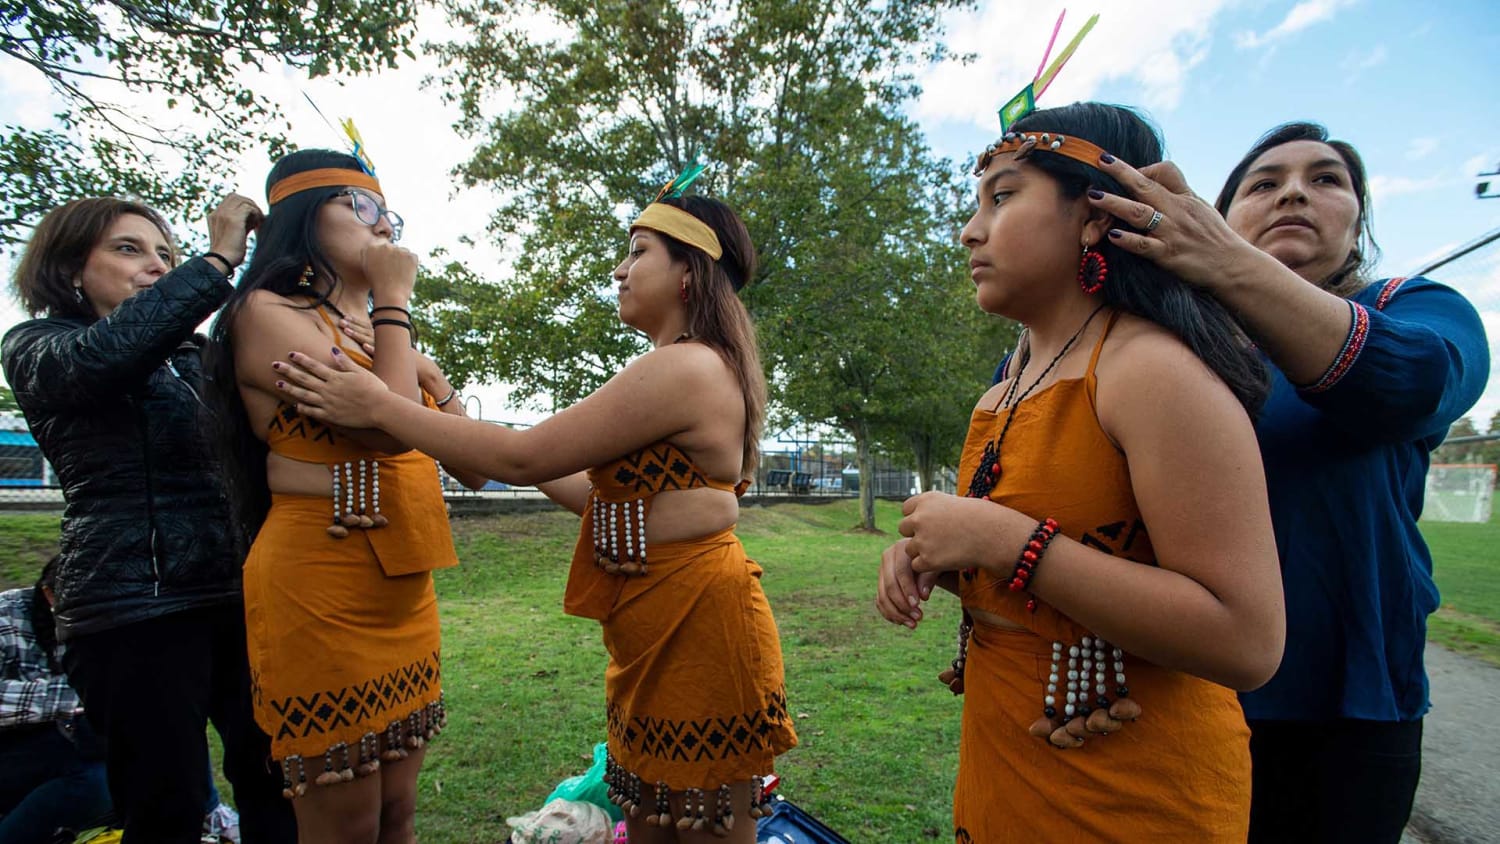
x=861 y=287
x=103 y=58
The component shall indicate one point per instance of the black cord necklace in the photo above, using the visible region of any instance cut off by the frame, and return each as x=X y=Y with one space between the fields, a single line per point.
x=987 y=473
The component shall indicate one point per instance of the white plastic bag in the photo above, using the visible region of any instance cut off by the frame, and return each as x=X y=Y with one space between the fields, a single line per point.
x=562 y=822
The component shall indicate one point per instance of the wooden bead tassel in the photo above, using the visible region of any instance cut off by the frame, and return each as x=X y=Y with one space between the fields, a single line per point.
x=356 y=497
x=619 y=533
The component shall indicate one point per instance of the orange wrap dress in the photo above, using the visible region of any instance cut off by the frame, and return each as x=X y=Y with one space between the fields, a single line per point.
x=1179 y=773
x=343 y=633
x=694 y=691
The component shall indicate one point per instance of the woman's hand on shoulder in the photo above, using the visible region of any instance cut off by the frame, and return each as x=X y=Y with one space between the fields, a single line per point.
x=344 y=394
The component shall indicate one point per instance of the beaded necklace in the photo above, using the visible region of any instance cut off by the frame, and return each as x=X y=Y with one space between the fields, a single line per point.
x=987 y=473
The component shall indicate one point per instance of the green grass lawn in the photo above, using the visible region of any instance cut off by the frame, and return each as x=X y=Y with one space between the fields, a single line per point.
x=1466 y=564
x=879 y=735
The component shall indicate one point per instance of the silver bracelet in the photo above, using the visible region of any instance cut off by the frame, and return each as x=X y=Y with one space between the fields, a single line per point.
x=452 y=394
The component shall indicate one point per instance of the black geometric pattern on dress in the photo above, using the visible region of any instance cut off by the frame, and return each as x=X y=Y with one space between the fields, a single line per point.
x=300 y=716
x=286 y=420
x=699 y=740
x=657 y=468
x=1113 y=538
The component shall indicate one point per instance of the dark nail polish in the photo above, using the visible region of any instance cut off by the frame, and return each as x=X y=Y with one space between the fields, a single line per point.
x=1107 y=158
x=276 y=365
x=1115 y=234
x=280 y=385
x=1096 y=194
x=336 y=351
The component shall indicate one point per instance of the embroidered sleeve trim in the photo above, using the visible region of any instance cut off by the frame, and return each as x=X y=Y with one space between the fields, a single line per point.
x=1388 y=292
x=1359 y=329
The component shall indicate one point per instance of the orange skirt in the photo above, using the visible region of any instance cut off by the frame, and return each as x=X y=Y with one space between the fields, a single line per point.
x=1180 y=773
x=344 y=660
x=695 y=693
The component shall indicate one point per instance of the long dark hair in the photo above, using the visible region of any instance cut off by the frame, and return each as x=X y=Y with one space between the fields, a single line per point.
x=43 y=625
x=286 y=244
x=1354 y=273
x=716 y=316
x=1136 y=285
x=59 y=248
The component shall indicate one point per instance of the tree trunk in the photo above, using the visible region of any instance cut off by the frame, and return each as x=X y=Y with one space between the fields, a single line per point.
x=866 y=476
x=921 y=449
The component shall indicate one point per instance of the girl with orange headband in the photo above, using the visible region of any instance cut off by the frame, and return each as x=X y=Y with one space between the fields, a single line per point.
x=345 y=526
x=1112 y=551
x=653 y=461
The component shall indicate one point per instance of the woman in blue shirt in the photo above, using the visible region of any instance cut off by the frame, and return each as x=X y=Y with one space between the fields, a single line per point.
x=1366 y=378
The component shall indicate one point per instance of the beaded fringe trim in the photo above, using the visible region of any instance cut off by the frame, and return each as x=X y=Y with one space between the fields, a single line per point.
x=620 y=536
x=342 y=763
x=356 y=497
x=625 y=792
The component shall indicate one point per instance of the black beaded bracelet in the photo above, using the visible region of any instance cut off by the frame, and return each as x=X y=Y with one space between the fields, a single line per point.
x=404 y=312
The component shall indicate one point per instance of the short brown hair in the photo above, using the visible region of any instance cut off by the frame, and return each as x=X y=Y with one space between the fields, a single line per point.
x=60 y=246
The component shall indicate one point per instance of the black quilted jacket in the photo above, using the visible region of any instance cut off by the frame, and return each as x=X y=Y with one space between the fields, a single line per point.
x=114 y=405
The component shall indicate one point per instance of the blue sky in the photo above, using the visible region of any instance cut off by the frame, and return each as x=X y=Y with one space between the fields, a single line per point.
x=1411 y=85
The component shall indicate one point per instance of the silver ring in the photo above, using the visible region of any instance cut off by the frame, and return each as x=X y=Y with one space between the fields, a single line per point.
x=1155 y=221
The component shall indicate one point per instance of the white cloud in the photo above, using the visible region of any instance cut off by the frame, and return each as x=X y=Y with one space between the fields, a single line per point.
x=1155 y=44
x=1420 y=148
x=1356 y=63
x=1302 y=16
x=1383 y=187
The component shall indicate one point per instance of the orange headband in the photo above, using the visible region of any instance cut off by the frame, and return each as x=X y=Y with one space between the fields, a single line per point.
x=1024 y=143
x=328 y=177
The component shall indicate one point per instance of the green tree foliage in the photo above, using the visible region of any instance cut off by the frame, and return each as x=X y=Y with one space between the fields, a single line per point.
x=187 y=55
x=796 y=105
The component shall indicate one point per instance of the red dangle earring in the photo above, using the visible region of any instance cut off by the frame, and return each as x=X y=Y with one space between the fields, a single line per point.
x=683 y=291
x=1092 y=270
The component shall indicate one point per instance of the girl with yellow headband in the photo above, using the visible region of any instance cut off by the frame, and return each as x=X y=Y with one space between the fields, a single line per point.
x=344 y=526
x=653 y=462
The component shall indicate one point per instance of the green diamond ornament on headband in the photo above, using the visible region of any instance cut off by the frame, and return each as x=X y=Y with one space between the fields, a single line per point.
x=1024 y=102
x=675 y=222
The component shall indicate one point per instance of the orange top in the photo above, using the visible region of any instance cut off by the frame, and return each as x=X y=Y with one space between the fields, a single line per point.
x=656 y=468
x=1057 y=462
x=613 y=529
x=409 y=489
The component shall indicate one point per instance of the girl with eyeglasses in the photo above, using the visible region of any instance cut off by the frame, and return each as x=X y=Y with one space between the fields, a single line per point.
x=344 y=527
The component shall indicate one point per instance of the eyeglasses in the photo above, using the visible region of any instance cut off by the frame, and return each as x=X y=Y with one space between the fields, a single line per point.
x=369 y=212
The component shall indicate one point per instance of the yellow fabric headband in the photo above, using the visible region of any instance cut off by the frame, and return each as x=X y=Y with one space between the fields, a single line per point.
x=327 y=177
x=675 y=222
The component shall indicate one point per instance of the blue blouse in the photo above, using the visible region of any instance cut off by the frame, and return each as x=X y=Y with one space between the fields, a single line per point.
x=1346 y=462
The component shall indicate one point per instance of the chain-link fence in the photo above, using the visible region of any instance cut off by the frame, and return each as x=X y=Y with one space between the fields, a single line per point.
x=809 y=465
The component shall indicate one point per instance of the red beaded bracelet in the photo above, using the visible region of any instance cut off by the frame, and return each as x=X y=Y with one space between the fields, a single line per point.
x=1031 y=555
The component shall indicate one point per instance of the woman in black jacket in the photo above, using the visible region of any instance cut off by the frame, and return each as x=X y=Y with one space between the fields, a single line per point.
x=148 y=589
